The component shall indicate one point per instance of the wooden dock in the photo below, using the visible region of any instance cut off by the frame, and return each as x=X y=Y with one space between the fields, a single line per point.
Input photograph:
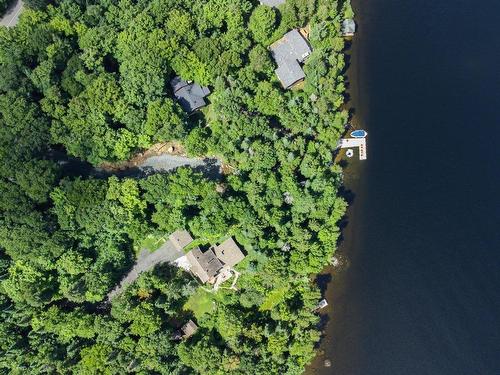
x=355 y=142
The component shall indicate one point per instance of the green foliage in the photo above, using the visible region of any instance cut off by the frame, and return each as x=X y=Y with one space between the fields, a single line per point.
x=259 y=59
x=262 y=23
x=195 y=142
x=348 y=11
x=36 y=4
x=200 y=303
x=91 y=80
x=29 y=284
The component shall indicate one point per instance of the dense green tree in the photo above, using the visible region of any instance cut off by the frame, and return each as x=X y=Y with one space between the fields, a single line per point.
x=91 y=80
x=262 y=23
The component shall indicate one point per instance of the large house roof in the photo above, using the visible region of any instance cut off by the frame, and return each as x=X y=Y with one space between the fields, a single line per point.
x=272 y=3
x=288 y=52
x=204 y=265
x=189 y=95
x=229 y=252
x=292 y=46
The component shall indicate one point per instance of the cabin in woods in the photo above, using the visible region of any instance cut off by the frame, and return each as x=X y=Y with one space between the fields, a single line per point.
x=215 y=263
x=204 y=265
x=190 y=96
x=289 y=53
x=189 y=329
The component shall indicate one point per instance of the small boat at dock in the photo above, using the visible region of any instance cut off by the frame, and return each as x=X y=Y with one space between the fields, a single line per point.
x=359 y=133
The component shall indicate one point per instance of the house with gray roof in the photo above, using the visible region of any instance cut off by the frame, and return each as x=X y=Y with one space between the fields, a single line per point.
x=288 y=53
x=272 y=3
x=191 y=96
x=348 y=27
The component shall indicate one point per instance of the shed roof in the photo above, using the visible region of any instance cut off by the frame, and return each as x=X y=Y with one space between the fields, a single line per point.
x=180 y=238
x=189 y=95
x=272 y=3
x=348 y=27
x=189 y=329
x=229 y=252
x=204 y=265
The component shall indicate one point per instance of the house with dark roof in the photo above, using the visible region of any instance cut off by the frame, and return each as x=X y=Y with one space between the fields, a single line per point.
x=191 y=96
x=204 y=265
x=348 y=27
x=272 y=3
x=214 y=263
x=288 y=53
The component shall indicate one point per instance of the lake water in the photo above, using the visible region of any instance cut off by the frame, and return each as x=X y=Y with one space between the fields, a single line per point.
x=421 y=294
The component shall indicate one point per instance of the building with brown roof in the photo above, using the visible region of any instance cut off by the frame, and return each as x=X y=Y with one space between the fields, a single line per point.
x=209 y=266
x=204 y=265
x=180 y=238
x=189 y=329
x=229 y=252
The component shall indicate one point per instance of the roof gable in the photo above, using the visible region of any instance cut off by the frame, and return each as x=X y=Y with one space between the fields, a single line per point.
x=289 y=73
x=348 y=27
x=292 y=46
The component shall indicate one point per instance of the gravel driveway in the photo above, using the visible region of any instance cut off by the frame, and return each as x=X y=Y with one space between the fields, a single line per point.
x=146 y=262
x=211 y=168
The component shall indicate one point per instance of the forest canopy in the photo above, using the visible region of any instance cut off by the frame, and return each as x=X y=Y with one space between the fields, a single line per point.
x=90 y=80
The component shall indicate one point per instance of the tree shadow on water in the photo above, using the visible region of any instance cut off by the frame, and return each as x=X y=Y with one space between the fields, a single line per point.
x=322 y=281
x=347 y=194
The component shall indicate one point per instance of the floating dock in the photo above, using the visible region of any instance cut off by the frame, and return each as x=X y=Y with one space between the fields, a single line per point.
x=355 y=142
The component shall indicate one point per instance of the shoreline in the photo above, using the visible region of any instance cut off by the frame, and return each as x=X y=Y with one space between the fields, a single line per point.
x=337 y=278
x=334 y=281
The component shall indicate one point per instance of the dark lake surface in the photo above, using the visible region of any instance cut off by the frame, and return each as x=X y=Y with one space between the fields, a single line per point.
x=421 y=294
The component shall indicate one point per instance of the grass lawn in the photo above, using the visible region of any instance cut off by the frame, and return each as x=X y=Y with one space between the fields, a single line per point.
x=151 y=243
x=200 y=303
